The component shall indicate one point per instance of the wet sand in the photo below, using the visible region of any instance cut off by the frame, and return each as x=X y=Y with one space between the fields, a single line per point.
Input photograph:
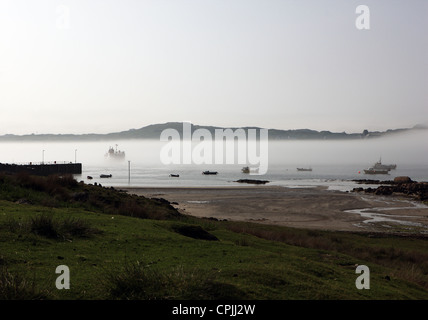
x=315 y=208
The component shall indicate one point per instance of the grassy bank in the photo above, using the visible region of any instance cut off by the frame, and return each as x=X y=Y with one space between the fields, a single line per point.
x=119 y=246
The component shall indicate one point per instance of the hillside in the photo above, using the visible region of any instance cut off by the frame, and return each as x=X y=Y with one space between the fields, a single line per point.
x=154 y=131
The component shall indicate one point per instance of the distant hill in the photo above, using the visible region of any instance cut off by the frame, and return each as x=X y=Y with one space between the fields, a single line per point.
x=154 y=131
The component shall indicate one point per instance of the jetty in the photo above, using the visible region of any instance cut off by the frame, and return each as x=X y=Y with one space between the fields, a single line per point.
x=42 y=169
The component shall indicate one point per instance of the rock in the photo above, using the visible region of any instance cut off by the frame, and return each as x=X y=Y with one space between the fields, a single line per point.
x=80 y=196
x=252 y=181
x=162 y=200
x=370 y=181
x=195 y=232
x=402 y=179
x=402 y=185
x=369 y=190
x=422 y=196
x=366 y=181
x=23 y=201
x=210 y=218
x=383 y=190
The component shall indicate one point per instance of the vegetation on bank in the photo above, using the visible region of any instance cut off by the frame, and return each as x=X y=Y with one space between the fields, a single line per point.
x=121 y=246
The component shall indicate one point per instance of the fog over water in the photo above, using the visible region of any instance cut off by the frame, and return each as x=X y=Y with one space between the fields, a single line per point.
x=333 y=162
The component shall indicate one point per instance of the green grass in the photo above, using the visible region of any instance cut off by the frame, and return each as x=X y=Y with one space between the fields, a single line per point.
x=116 y=256
x=240 y=266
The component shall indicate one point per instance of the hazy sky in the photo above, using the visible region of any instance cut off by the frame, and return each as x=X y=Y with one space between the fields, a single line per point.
x=101 y=66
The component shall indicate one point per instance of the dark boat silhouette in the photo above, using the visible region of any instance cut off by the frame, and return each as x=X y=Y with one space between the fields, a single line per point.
x=209 y=172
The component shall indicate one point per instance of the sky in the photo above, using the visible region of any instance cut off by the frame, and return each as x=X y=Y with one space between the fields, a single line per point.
x=99 y=66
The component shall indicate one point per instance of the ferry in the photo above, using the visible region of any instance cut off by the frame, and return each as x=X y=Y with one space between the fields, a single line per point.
x=115 y=154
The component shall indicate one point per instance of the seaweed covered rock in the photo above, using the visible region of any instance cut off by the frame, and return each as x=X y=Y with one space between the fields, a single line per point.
x=252 y=181
x=402 y=179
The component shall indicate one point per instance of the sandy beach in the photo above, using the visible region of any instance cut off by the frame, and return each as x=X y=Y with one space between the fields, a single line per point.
x=315 y=208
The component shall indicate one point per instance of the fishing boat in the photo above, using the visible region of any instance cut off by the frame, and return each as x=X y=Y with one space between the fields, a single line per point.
x=376 y=171
x=209 y=172
x=245 y=170
x=379 y=165
x=115 y=154
x=250 y=170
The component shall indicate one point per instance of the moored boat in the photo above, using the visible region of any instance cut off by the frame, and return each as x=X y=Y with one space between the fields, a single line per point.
x=250 y=170
x=209 y=172
x=376 y=171
x=245 y=170
x=115 y=154
x=379 y=165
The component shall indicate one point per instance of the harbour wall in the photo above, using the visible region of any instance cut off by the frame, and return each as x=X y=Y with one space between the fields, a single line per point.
x=42 y=169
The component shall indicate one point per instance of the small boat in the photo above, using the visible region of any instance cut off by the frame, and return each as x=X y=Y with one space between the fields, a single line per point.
x=250 y=170
x=376 y=171
x=105 y=176
x=89 y=177
x=304 y=169
x=174 y=175
x=209 y=172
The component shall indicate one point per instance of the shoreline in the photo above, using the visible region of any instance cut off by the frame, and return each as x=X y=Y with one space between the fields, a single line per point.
x=310 y=208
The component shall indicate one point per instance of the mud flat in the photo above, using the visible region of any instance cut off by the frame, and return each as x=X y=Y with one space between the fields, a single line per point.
x=315 y=208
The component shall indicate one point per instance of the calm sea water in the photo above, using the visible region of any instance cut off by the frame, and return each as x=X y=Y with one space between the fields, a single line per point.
x=334 y=163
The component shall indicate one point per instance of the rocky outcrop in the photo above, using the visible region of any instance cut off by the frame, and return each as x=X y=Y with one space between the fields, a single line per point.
x=399 y=186
x=402 y=179
x=252 y=181
x=370 y=181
